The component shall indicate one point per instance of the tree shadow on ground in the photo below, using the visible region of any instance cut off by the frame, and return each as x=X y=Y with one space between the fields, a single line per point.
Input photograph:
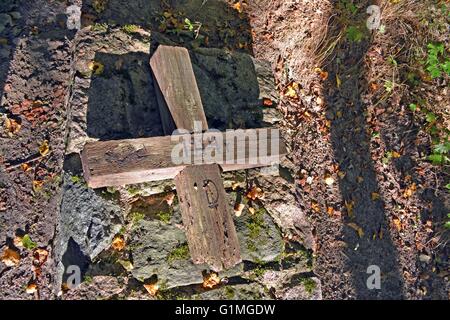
x=351 y=144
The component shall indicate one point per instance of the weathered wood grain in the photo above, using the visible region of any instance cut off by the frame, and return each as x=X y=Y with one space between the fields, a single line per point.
x=174 y=74
x=122 y=162
x=207 y=217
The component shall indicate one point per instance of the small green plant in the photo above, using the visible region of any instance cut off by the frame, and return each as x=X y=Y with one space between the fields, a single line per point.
x=440 y=153
x=164 y=216
x=130 y=28
x=413 y=107
x=88 y=279
x=99 y=27
x=76 y=179
x=447 y=223
x=137 y=217
x=354 y=34
x=309 y=284
x=389 y=86
x=437 y=63
x=28 y=243
x=179 y=253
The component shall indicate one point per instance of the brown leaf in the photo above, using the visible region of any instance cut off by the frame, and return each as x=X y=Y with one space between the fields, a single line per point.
x=357 y=228
x=10 y=257
x=12 y=127
x=31 y=288
x=255 y=193
x=238 y=209
x=211 y=280
x=44 y=148
x=152 y=288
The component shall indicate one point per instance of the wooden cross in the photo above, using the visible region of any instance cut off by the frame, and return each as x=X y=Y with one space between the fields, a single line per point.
x=206 y=214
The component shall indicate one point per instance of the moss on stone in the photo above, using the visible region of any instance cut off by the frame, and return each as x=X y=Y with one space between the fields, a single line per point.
x=164 y=216
x=309 y=284
x=179 y=253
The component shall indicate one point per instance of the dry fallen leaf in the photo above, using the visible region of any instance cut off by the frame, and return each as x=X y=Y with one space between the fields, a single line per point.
x=12 y=126
x=238 y=209
x=37 y=185
x=321 y=73
x=255 y=193
x=169 y=198
x=96 y=67
x=44 y=148
x=397 y=223
x=10 y=257
x=25 y=167
x=239 y=6
x=329 y=180
x=40 y=256
x=31 y=288
x=251 y=210
x=152 y=288
x=349 y=205
x=211 y=280
x=118 y=243
x=315 y=206
x=291 y=91
x=409 y=191
x=357 y=228
x=267 y=102
x=375 y=196
x=338 y=81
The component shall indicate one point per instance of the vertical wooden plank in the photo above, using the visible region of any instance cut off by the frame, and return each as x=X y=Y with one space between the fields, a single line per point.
x=207 y=217
x=174 y=74
x=166 y=118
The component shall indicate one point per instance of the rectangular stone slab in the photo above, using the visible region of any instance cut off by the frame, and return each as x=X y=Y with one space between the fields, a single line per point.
x=207 y=217
x=172 y=69
x=122 y=162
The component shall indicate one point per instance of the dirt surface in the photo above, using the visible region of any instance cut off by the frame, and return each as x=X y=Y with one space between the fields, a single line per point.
x=355 y=190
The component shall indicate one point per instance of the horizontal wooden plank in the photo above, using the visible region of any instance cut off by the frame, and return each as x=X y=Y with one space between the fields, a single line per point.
x=122 y=162
x=172 y=69
x=207 y=217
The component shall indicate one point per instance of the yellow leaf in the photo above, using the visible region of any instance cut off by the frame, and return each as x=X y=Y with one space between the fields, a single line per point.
x=375 y=196
x=211 y=280
x=152 y=288
x=357 y=228
x=315 y=206
x=10 y=257
x=37 y=185
x=96 y=67
x=44 y=149
x=239 y=7
x=395 y=154
x=25 y=167
x=251 y=210
x=349 y=206
x=12 y=126
x=291 y=91
x=409 y=191
x=338 y=81
x=397 y=223
x=118 y=243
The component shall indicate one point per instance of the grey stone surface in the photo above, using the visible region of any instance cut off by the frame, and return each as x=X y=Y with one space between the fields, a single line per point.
x=251 y=291
x=153 y=242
